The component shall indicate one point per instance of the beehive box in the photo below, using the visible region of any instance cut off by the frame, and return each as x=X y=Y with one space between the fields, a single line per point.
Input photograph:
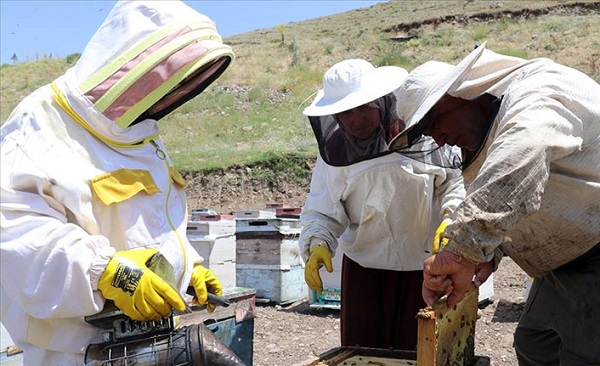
x=275 y=205
x=282 y=284
x=215 y=241
x=289 y=212
x=268 y=241
x=362 y=356
x=268 y=258
x=255 y=214
x=486 y=290
x=212 y=225
x=329 y=297
x=195 y=213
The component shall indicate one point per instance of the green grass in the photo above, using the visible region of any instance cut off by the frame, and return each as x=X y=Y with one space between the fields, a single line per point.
x=18 y=81
x=252 y=116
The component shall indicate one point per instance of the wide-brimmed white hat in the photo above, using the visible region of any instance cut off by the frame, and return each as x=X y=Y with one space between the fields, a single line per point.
x=422 y=89
x=352 y=83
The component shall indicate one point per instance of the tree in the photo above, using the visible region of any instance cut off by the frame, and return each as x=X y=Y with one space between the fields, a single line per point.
x=281 y=29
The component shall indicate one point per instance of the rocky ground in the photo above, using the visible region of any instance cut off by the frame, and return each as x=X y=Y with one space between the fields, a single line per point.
x=296 y=333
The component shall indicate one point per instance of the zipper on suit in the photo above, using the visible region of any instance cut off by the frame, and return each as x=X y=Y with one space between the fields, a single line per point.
x=163 y=156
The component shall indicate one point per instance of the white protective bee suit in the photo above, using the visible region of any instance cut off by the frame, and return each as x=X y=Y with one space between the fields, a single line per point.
x=381 y=212
x=85 y=173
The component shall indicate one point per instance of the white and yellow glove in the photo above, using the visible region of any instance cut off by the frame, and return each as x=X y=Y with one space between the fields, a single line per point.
x=137 y=291
x=319 y=256
x=439 y=240
x=204 y=281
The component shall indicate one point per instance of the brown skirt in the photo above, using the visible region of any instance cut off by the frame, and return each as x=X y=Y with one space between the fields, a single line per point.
x=379 y=307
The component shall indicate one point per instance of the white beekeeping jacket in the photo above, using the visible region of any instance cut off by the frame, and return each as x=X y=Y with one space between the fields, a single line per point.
x=85 y=173
x=534 y=190
x=384 y=211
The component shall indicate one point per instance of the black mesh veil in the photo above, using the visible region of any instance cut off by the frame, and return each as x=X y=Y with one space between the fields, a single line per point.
x=337 y=148
x=425 y=150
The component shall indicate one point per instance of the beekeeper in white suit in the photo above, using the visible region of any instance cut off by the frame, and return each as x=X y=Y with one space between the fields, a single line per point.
x=89 y=192
x=530 y=130
x=381 y=208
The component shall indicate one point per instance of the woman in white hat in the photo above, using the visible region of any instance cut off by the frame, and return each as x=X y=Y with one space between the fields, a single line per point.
x=531 y=132
x=379 y=208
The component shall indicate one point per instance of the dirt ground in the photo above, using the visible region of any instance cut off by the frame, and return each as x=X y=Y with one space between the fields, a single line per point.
x=295 y=334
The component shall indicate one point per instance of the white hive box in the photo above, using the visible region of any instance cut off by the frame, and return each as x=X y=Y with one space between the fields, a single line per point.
x=273 y=207
x=214 y=239
x=255 y=214
x=268 y=241
x=5 y=340
x=10 y=354
x=486 y=290
x=268 y=259
x=197 y=213
x=279 y=284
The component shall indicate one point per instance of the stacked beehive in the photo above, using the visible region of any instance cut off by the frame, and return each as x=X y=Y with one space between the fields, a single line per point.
x=213 y=237
x=267 y=255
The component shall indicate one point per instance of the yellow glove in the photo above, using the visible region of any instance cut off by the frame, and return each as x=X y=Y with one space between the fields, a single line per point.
x=439 y=241
x=204 y=281
x=139 y=292
x=319 y=256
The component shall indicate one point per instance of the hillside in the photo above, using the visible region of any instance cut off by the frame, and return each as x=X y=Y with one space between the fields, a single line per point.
x=246 y=137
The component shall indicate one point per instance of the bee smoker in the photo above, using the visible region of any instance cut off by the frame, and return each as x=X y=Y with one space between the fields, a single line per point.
x=193 y=345
x=128 y=342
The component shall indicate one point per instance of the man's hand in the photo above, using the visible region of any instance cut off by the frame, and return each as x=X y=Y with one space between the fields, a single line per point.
x=446 y=273
x=204 y=281
x=139 y=292
x=319 y=256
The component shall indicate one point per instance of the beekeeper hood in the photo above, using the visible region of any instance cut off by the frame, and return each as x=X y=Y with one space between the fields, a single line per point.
x=480 y=72
x=148 y=58
x=347 y=85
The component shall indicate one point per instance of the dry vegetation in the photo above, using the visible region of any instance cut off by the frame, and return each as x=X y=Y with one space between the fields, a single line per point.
x=413 y=32
x=255 y=108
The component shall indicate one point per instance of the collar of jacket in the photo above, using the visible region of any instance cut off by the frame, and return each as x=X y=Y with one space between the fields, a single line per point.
x=65 y=104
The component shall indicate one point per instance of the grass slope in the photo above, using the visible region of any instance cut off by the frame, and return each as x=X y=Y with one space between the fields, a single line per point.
x=253 y=113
